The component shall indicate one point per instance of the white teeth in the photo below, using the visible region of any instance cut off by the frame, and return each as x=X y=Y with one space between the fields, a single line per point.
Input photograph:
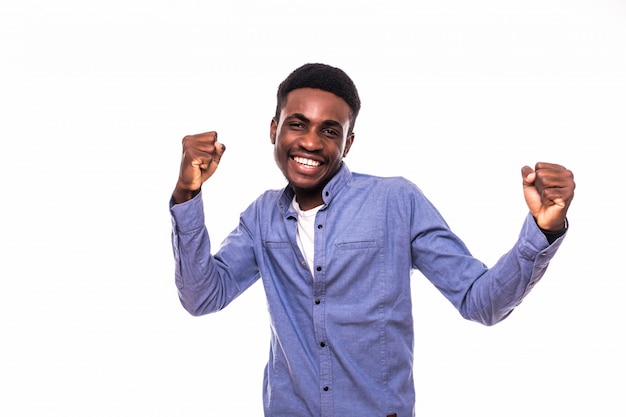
x=306 y=161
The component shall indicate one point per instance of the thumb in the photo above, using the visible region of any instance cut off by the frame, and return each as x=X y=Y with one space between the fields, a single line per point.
x=528 y=175
x=220 y=148
x=217 y=155
x=531 y=194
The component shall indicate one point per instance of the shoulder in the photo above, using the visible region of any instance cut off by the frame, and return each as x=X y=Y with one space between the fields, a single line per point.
x=267 y=202
x=394 y=192
x=268 y=197
x=378 y=183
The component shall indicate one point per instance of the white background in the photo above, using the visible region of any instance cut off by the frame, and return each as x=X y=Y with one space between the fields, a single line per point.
x=457 y=96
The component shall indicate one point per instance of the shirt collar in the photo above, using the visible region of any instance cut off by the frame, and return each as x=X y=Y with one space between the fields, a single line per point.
x=334 y=186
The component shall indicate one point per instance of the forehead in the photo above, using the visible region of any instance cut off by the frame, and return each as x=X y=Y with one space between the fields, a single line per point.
x=316 y=104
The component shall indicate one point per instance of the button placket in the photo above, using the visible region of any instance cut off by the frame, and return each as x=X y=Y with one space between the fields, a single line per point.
x=319 y=310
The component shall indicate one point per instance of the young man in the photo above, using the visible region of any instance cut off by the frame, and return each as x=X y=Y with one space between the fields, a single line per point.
x=335 y=251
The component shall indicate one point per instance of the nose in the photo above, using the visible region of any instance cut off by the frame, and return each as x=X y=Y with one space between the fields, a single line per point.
x=311 y=142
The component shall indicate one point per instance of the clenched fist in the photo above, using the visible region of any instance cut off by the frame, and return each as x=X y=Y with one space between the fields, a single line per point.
x=548 y=190
x=201 y=156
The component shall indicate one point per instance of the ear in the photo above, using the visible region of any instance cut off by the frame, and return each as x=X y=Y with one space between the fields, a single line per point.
x=273 y=128
x=349 y=141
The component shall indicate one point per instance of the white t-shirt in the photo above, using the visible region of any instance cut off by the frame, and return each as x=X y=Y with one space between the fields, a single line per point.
x=306 y=231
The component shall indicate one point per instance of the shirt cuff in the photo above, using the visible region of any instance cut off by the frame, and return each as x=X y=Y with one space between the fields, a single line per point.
x=187 y=216
x=553 y=236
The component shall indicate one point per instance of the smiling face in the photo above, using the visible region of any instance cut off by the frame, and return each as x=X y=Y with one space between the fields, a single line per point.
x=310 y=140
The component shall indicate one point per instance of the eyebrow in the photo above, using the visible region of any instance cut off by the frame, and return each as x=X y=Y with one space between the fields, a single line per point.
x=305 y=119
x=299 y=116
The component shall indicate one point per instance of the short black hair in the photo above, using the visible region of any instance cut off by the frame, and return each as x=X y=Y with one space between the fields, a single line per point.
x=323 y=77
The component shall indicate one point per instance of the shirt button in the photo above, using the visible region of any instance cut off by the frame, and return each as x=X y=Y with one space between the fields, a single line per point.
x=317 y=301
x=319 y=226
x=323 y=344
x=325 y=388
x=319 y=268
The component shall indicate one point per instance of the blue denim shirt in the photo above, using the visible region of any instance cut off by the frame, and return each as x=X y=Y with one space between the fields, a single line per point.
x=341 y=340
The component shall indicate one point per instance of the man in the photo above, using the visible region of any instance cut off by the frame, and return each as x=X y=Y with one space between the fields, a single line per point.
x=335 y=251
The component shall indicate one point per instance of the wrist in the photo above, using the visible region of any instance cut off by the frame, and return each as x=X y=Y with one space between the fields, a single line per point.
x=560 y=228
x=551 y=235
x=181 y=195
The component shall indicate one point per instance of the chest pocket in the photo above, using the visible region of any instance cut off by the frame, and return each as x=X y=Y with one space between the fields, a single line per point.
x=358 y=245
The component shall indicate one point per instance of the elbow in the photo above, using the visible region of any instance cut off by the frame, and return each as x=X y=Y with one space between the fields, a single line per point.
x=495 y=320
x=189 y=308
x=487 y=318
x=193 y=311
x=195 y=307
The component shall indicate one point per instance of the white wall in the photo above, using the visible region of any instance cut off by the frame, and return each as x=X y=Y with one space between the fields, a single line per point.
x=457 y=96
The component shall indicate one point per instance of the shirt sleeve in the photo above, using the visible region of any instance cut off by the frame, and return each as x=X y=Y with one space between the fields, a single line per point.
x=495 y=295
x=483 y=294
x=553 y=236
x=503 y=287
x=206 y=282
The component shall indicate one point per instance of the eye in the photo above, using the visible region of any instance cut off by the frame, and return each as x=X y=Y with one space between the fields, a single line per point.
x=331 y=132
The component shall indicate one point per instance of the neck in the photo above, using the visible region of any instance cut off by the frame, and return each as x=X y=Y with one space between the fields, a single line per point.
x=307 y=202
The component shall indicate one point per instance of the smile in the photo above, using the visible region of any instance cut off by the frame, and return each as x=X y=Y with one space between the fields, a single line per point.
x=306 y=161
